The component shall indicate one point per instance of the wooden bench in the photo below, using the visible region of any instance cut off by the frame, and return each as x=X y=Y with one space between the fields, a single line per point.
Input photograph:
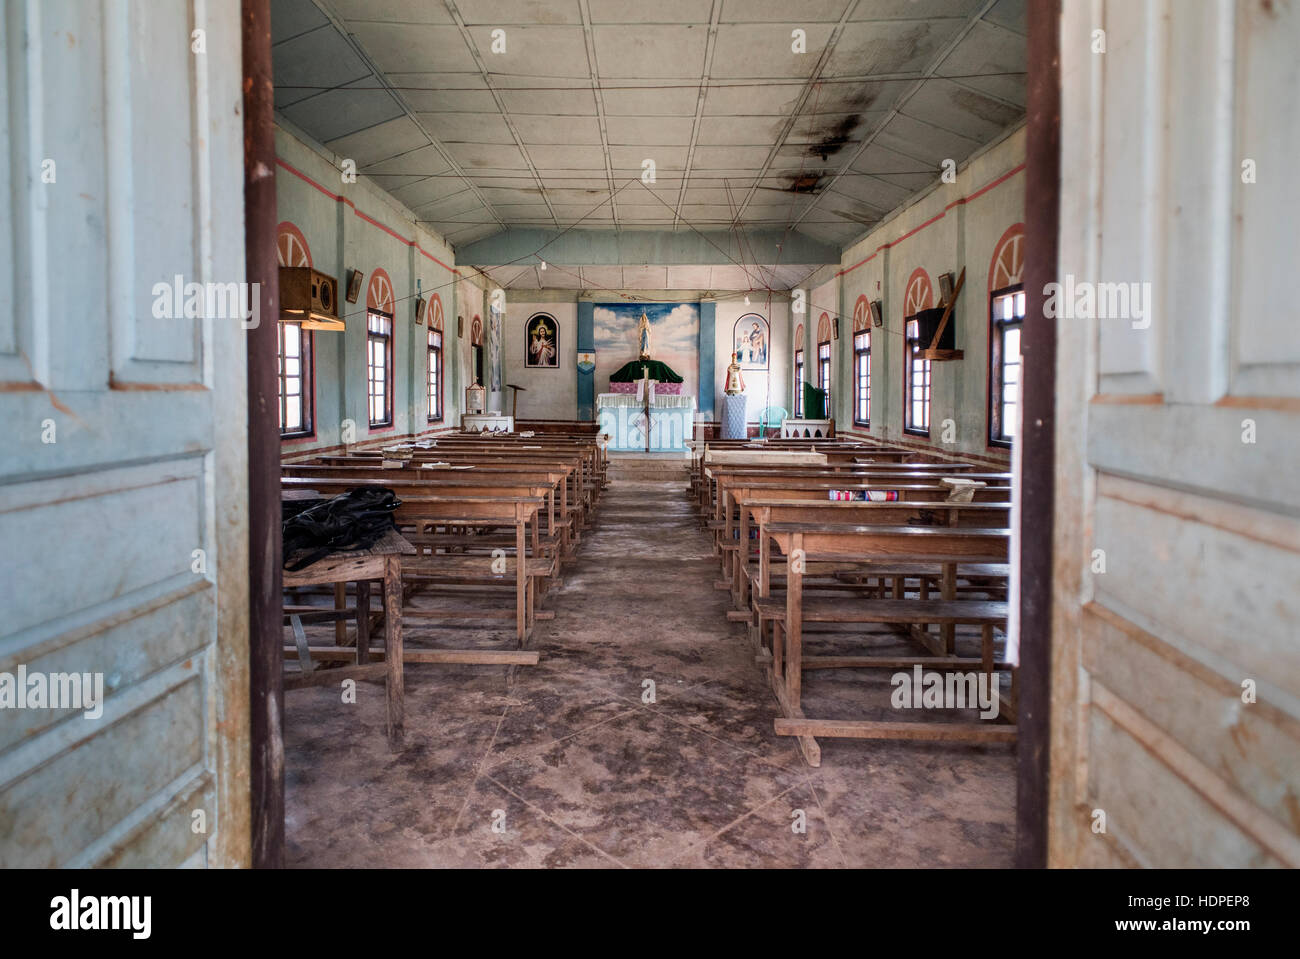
x=462 y=508
x=382 y=562
x=804 y=544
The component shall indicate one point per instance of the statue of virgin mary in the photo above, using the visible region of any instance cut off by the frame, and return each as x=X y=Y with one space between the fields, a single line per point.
x=643 y=336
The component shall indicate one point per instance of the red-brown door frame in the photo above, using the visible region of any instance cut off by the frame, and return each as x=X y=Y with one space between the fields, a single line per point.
x=265 y=633
x=1038 y=433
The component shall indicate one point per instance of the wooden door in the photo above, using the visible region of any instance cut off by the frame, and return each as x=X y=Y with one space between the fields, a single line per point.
x=1176 y=667
x=123 y=534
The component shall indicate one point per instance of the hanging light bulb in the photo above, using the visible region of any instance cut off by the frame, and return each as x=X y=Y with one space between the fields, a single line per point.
x=747 y=299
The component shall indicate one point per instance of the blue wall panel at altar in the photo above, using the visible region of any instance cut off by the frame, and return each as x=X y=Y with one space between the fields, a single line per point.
x=674 y=339
x=708 y=317
x=586 y=344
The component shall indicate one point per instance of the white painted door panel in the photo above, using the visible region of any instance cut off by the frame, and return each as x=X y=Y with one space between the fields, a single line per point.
x=1176 y=676
x=122 y=527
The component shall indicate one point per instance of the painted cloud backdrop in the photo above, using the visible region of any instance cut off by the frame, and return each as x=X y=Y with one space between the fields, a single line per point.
x=674 y=339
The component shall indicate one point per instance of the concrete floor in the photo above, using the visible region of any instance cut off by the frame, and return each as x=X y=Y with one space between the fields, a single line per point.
x=574 y=769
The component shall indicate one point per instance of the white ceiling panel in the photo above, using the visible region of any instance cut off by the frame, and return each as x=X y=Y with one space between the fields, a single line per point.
x=505 y=12
x=400 y=11
x=654 y=51
x=688 y=278
x=468 y=127
x=561 y=101
x=603 y=276
x=650 y=100
x=767 y=50
x=661 y=11
x=557 y=131
x=532 y=51
x=498 y=156
x=414 y=47
x=630 y=131
x=381 y=142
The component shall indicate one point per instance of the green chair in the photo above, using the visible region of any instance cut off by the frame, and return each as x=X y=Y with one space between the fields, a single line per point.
x=771 y=419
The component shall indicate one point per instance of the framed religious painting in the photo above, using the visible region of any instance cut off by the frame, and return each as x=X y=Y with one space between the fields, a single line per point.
x=752 y=339
x=542 y=342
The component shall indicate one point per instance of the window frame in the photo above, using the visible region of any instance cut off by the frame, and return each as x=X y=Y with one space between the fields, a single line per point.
x=434 y=375
x=912 y=346
x=861 y=383
x=798 y=383
x=824 y=374
x=997 y=367
x=306 y=382
x=387 y=338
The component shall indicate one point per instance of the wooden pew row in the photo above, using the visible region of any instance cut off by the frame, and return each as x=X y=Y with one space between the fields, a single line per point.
x=816 y=484
x=595 y=456
x=700 y=451
x=427 y=508
x=577 y=497
x=771 y=506
x=591 y=459
x=805 y=544
x=556 y=527
x=711 y=502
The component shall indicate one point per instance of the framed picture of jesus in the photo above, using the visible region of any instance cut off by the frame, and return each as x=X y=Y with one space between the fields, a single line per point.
x=542 y=342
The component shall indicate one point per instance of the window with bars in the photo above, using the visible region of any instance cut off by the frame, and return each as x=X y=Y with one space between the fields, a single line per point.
x=435 y=375
x=916 y=384
x=1007 y=313
x=379 y=367
x=798 y=384
x=824 y=372
x=295 y=379
x=862 y=378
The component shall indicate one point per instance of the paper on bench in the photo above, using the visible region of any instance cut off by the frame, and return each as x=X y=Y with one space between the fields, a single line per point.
x=961 y=490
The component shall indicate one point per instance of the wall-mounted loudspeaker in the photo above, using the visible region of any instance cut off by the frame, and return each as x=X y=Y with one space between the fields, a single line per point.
x=309 y=297
x=354 y=284
x=420 y=304
x=877 y=313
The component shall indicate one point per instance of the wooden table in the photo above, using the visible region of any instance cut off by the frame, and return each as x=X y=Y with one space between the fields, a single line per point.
x=804 y=543
x=383 y=562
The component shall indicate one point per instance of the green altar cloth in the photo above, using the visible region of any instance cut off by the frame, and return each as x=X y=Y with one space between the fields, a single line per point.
x=631 y=372
x=814 y=402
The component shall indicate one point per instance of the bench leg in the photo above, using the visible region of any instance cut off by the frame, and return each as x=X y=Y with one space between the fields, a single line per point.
x=363 y=622
x=948 y=586
x=393 y=655
x=340 y=603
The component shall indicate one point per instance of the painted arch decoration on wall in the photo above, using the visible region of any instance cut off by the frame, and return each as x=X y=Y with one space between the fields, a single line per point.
x=861 y=315
x=379 y=294
x=435 y=312
x=919 y=293
x=798 y=337
x=1007 y=268
x=291 y=246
